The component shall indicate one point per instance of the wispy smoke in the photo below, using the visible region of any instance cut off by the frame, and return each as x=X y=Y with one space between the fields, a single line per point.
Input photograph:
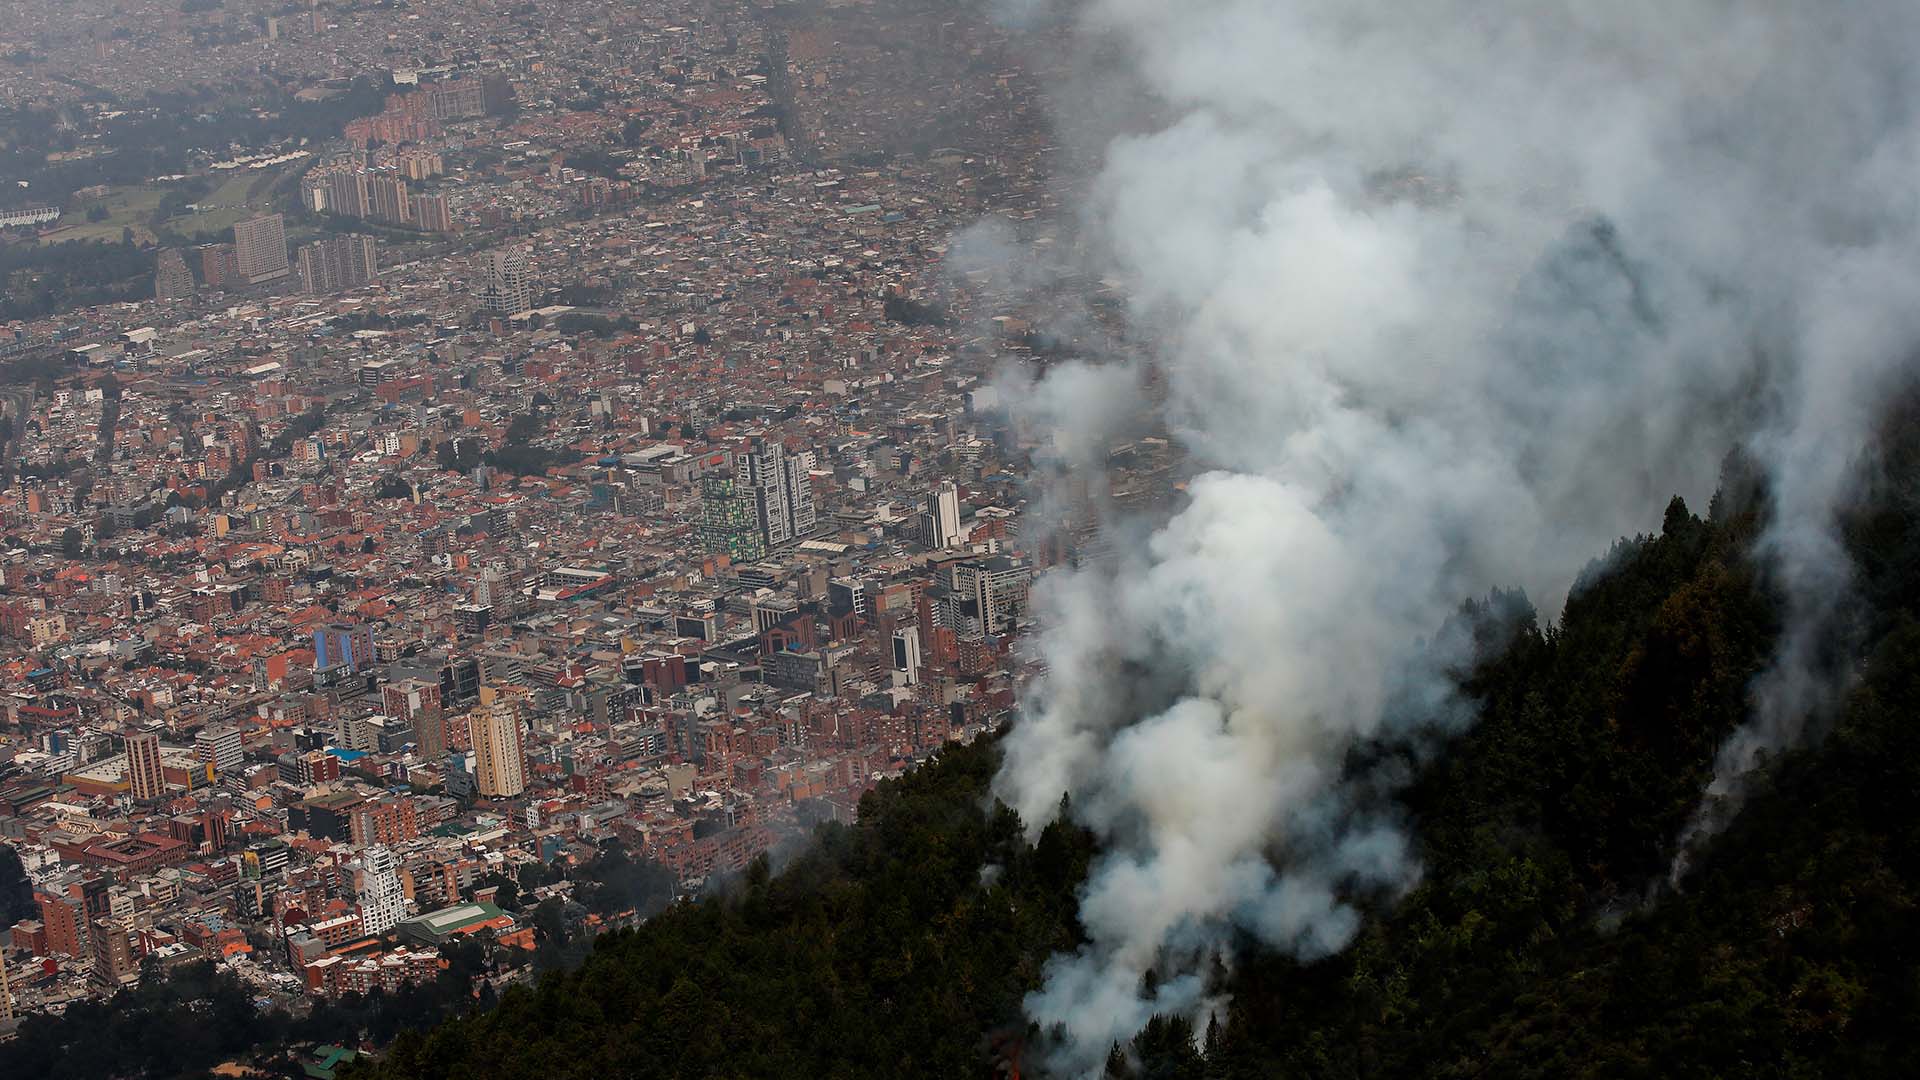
x=1080 y=409
x=1452 y=294
x=1858 y=340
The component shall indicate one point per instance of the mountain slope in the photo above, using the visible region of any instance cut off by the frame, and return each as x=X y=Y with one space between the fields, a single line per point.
x=900 y=946
x=880 y=952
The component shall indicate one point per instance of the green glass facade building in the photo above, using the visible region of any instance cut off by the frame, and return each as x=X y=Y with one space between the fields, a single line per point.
x=729 y=520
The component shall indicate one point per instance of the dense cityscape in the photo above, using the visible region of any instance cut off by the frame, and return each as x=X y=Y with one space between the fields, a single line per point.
x=585 y=454
x=1086 y=539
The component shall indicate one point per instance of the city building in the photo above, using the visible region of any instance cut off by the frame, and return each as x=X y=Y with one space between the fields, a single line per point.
x=219 y=747
x=906 y=654
x=418 y=703
x=782 y=491
x=386 y=821
x=436 y=928
x=337 y=264
x=260 y=249
x=145 y=776
x=505 y=283
x=383 y=901
x=219 y=266
x=500 y=758
x=944 y=509
x=345 y=193
x=115 y=964
x=420 y=164
x=730 y=519
x=171 y=278
x=388 y=200
x=63 y=922
x=994 y=589
x=347 y=646
x=848 y=594
x=431 y=212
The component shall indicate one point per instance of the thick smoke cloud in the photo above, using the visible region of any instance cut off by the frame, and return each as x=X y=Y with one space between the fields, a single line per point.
x=1451 y=294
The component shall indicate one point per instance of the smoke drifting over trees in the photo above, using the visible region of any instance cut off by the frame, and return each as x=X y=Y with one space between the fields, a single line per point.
x=1451 y=295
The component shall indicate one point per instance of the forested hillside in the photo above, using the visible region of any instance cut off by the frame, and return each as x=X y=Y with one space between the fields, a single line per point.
x=890 y=949
x=1536 y=945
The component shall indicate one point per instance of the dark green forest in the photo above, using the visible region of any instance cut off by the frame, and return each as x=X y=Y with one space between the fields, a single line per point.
x=1536 y=945
x=41 y=281
x=16 y=892
x=162 y=135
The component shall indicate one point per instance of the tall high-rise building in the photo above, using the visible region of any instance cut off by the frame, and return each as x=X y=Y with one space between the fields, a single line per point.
x=171 y=278
x=500 y=757
x=346 y=193
x=219 y=266
x=418 y=702
x=343 y=262
x=383 y=903
x=491 y=590
x=260 y=248
x=764 y=468
x=6 y=992
x=729 y=524
x=220 y=747
x=906 y=654
x=996 y=589
x=63 y=919
x=114 y=962
x=388 y=200
x=782 y=490
x=505 y=284
x=800 y=493
x=148 y=782
x=431 y=212
x=944 y=507
x=420 y=164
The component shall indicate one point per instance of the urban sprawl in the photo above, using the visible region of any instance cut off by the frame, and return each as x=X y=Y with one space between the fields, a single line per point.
x=599 y=444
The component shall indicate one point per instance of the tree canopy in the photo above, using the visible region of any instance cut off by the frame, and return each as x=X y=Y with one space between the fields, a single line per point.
x=16 y=891
x=1538 y=944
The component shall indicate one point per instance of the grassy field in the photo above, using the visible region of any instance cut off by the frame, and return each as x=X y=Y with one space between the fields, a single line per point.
x=131 y=206
x=235 y=189
x=216 y=220
x=238 y=195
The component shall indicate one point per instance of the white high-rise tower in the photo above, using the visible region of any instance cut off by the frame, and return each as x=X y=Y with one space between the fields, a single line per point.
x=383 y=903
x=506 y=285
x=945 y=509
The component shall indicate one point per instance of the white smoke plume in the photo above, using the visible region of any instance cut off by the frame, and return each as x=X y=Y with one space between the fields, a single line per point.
x=1452 y=294
x=1863 y=338
x=1080 y=409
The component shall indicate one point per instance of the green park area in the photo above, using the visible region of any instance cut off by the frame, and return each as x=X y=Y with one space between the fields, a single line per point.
x=200 y=209
x=128 y=207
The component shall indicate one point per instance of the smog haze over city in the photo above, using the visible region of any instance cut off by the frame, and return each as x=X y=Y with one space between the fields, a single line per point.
x=958 y=538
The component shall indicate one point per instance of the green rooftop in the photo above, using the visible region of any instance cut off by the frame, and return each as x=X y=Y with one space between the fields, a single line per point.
x=326 y=1059
x=437 y=926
